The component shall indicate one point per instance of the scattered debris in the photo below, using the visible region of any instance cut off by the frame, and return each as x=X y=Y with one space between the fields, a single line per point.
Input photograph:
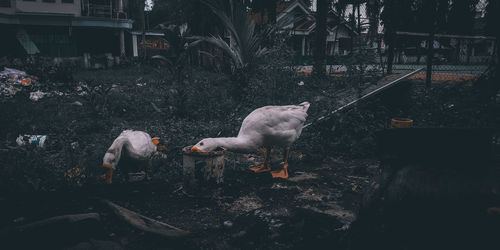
x=302 y=176
x=10 y=78
x=12 y=75
x=76 y=103
x=156 y=108
x=8 y=90
x=228 y=224
x=34 y=140
x=26 y=82
x=301 y=83
x=246 y=204
x=37 y=95
x=333 y=209
x=136 y=177
x=18 y=220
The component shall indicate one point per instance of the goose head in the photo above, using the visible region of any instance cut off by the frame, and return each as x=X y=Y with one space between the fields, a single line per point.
x=109 y=162
x=205 y=145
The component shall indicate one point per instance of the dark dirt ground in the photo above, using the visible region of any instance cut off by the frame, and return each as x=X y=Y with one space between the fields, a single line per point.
x=332 y=166
x=312 y=208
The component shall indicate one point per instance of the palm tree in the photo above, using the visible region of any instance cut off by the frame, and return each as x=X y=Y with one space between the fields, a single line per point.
x=243 y=45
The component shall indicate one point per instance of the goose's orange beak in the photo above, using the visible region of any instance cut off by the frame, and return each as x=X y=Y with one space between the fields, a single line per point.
x=156 y=140
x=108 y=176
x=195 y=149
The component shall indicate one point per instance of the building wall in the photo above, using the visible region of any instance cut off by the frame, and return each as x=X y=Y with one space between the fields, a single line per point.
x=8 y=10
x=46 y=6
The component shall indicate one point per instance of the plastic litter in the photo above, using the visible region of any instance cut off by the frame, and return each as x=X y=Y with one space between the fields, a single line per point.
x=9 y=75
x=135 y=177
x=37 y=95
x=34 y=140
x=11 y=78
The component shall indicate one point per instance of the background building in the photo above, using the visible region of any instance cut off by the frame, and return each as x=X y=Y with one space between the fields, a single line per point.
x=64 y=28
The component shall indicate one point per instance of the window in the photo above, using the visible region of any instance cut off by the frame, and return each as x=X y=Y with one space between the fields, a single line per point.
x=29 y=0
x=4 y=3
x=49 y=1
x=67 y=1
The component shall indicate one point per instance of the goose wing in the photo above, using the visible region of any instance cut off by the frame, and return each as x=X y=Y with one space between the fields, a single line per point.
x=275 y=125
x=139 y=144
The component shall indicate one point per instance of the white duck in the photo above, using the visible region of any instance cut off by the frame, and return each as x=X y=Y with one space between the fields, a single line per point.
x=265 y=127
x=130 y=144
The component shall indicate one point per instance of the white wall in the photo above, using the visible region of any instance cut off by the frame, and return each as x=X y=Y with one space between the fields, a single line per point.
x=38 y=6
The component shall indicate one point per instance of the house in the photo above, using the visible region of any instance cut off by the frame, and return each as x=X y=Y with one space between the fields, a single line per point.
x=64 y=28
x=301 y=28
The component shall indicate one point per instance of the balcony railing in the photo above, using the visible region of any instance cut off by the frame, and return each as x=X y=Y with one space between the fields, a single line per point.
x=102 y=8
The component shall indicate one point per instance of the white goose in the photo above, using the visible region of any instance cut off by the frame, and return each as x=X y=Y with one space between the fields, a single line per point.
x=265 y=127
x=134 y=145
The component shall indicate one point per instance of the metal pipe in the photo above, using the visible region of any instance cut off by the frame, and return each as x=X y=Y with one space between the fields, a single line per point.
x=365 y=96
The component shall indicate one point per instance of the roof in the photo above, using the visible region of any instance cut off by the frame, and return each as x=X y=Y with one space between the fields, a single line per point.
x=281 y=8
x=303 y=26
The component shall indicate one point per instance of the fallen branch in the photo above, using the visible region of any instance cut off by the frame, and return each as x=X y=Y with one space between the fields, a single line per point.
x=144 y=223
x=63 y=220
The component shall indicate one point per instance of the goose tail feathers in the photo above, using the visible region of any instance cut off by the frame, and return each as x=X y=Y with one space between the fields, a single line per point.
x=305 y=105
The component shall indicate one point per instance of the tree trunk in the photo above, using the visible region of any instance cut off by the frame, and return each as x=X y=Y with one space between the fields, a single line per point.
x=320 y=38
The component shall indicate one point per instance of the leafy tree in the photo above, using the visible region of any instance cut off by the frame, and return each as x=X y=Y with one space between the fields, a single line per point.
x=442 y=13
x=373 y=13
x=461 y=17
x=243 y=45
x=397 y=15
x=136 y=12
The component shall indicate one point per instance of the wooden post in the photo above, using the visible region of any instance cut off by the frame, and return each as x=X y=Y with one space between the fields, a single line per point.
x=135 y=52
x=202 y=169
x=303 y=45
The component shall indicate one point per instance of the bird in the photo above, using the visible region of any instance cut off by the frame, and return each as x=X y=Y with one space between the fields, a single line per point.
x=135 y=147
x=265 y=127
